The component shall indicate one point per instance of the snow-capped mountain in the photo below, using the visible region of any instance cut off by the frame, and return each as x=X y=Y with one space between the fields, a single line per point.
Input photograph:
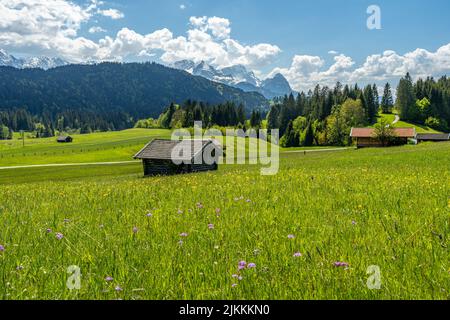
x=45 y=63
x=239 y=77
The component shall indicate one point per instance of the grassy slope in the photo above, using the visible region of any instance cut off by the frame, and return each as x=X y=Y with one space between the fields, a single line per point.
x=398 y=197
x=96 y=147
x=402 y=124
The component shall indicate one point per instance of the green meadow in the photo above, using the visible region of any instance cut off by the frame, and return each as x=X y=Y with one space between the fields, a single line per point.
x=182 y=237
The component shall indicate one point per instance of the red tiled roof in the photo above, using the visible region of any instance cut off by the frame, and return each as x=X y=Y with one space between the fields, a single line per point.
x=370 y=132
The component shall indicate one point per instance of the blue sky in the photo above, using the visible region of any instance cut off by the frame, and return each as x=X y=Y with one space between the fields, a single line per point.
x=302 y=27
x=291 y=37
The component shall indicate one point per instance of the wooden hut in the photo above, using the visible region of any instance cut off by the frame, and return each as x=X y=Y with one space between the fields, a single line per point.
x=168 y=157
x=64 y=139
x=365 y=137
x=433 y=137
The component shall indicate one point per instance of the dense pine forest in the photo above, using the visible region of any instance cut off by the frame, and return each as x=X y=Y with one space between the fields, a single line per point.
x=106 y=96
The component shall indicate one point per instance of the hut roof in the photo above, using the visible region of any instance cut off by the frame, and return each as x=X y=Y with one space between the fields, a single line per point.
x=370 y=132
x=64 y=138
x=433 y=136
x=162 y=149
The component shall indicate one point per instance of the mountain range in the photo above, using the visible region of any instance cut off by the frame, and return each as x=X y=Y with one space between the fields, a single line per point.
x=239 y=77
x=42 y=62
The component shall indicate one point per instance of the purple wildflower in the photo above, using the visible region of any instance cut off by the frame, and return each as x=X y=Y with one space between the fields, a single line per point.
x=184 y=234
x=354 y=222
x=199 y=205
x=18 y=268
x=235 y=276
x=109 y=279
x=218 y=210
x=297 y=254
x=242 y=265
x=234 y=285
x=118 y=288
x=180 y=242
x=341 y=264
x=135 y=229
x=291 y=236
x=149 y=214
x=59 y=236
x=180 y=211
x=210 y=226
x=248 y=200
x=2 y=248
x=48 y=230
x=251 y=265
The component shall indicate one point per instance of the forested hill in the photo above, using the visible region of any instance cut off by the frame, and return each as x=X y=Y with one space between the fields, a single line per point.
x=136 y=89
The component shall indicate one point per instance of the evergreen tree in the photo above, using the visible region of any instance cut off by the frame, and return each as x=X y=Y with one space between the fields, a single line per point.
x=406 y=101
x=387 y=102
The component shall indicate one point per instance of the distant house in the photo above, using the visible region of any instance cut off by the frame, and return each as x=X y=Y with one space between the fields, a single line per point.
x=168 y=157
x=432 y=137
x=366 y=137
x=64 y=139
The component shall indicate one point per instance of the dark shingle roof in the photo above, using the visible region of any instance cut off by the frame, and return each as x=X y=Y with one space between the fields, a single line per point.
x=162 y=149
x=433 y=136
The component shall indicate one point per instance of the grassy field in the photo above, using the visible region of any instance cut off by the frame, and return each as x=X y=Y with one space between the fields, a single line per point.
x=182 y=237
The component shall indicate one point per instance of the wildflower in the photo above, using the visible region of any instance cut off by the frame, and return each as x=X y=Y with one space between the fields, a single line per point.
x=218 y=210
x=2 y=248
x=109 y=279
x=297 y=254
x=135 y=229
x=180 y=211
x=18 y=268
x=216 y=247
x=235 y=276
x=248 y=200
x=354 y=222
x=59 y=236
x=118 y=288
x=242 y=265
x=341 y=264
x=184 y=234
x=180 y=242
x=149 y=214
x=101 y=226
x=234 y=285
x=199 y=205
x=291 y=236
x=210 y=226
x=48 y=230
x=251 y=265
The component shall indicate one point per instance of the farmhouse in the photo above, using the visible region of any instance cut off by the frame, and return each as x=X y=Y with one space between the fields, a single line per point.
x=365 y=137
x=64 y=139
x=432 y=137
x=167 y=157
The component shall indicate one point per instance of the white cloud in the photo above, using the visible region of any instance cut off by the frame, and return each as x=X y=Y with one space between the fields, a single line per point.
x=307 y=71
x=333 y=52
x=96 y=29
x=112 y=13
x=182 y=6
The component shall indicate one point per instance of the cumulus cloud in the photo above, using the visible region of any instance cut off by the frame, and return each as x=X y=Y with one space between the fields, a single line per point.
x=96 y=29
x=52 y=26
x=112 y=13
x=307 y=71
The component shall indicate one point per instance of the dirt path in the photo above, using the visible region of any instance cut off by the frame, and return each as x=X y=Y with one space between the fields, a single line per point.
x=397 y=119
